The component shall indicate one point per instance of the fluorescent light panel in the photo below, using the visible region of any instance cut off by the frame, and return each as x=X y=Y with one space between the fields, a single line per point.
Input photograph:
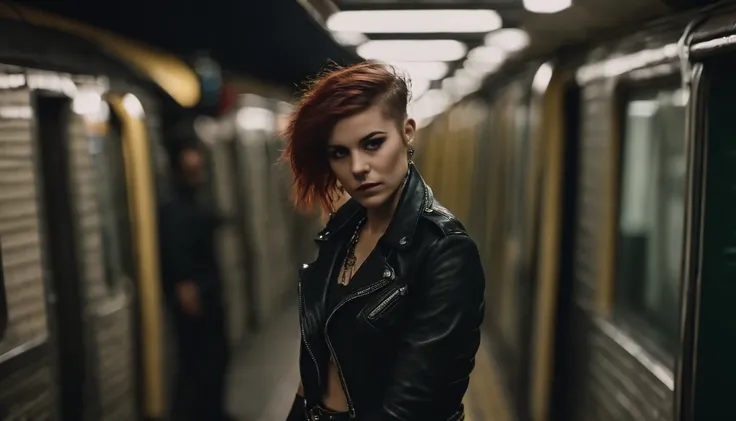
x=480 y=69
x=413 y=50
x=349 y=38
x=430 y=70
x=433 y=103
x=547 y=6
x=415 y=21
x=508 y=39
x=418 y=88
x=487 y=55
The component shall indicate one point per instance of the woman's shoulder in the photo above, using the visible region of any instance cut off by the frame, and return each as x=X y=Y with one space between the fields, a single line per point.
x=447 y=254
x=438 y=222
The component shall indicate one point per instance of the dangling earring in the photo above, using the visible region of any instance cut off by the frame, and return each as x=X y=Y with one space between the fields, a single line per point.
x=410 y=153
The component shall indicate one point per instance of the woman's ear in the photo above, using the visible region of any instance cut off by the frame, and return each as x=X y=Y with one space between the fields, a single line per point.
x=410 y=130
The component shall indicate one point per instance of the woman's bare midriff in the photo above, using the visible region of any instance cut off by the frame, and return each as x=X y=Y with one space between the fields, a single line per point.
x=334 y=397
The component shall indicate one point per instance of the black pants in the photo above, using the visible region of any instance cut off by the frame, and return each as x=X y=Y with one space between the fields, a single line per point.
x=199 y=388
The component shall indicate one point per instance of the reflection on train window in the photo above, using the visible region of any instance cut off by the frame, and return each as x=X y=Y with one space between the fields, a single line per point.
x=651 y=213
x=107 y=154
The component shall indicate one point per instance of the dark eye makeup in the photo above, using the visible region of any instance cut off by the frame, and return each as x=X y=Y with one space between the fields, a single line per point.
x=371 y=142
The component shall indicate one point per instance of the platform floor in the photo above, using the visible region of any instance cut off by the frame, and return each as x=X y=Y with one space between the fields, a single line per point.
x=264 y=377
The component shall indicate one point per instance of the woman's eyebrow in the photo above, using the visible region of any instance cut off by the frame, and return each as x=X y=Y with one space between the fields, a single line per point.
x=362 y=139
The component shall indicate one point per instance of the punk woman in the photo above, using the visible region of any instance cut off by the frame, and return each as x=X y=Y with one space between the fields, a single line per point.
x=390 y=310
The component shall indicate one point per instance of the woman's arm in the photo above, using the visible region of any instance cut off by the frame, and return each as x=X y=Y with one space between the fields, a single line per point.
x=437 y=348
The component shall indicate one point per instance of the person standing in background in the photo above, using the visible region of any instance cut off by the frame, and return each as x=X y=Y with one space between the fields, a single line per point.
x=193 y=290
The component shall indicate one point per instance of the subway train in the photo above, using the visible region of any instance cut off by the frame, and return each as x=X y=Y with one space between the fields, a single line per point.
x=598 y=182
x=84 y=140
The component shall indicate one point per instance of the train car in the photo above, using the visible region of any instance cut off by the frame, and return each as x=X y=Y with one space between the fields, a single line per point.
x=85 y=129
x=78 y=253
x=598 y=184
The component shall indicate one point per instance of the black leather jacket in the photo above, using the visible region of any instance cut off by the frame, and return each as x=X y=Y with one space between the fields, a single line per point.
x=404 y=344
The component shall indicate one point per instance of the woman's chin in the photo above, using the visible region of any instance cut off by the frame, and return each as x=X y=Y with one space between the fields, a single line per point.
x=371 y=202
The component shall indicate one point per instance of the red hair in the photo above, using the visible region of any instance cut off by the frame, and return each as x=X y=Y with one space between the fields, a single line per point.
x=337 y=94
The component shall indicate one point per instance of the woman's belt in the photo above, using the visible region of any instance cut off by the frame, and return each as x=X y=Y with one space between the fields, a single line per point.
x=319 y=413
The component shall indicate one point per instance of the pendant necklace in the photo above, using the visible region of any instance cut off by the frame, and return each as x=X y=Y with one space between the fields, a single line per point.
x=350 y=259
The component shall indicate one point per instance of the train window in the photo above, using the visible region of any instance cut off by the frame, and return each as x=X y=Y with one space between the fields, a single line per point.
x=107 y=155
x=651 y=212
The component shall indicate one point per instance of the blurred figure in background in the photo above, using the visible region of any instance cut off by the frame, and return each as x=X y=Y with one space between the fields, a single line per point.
x=193 y=290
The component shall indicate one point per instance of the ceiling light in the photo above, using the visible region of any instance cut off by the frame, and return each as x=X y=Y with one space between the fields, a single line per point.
x=480 y=69
x=547 y=6
x=256 y=118
x=487 y=55
x=418 y=88
x=415 y=21
x=433 y=103
x=461 y=84
x=349 y=38
x=414 y=50
x=476 y=69
x=509 y=39
x=542 y=78
x=430 y=70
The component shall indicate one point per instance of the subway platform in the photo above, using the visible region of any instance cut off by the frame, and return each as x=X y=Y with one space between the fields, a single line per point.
x=264 y=377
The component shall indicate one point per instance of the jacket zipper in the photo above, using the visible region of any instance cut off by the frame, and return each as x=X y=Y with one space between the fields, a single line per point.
x=385 y=304
x=351 y=297
x=304 y=337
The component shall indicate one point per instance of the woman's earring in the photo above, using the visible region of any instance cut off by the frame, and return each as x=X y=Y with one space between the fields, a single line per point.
x=410 y=152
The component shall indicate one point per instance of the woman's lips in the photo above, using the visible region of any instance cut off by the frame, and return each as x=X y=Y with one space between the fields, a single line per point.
x=367 y=186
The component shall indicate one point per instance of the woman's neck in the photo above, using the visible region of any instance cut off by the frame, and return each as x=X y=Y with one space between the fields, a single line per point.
x=378 y=219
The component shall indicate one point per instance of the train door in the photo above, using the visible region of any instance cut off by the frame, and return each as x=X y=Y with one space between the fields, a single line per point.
x=564 y=357
x=706 y=368
x=53 y=115
x=551 y=353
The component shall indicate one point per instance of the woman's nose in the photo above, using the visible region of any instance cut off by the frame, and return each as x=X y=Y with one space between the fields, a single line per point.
x=359 y=166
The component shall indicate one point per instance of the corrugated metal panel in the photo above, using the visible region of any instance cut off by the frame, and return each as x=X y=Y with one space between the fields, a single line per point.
x=26 y=394
x=27 y=391
x=108 y=309
x=19 y=229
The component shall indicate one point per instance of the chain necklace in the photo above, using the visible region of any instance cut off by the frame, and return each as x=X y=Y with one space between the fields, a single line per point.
x=348 y=265
x=350 y=259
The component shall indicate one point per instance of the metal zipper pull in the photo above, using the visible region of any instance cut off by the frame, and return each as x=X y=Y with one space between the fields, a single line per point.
x=383 y=305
